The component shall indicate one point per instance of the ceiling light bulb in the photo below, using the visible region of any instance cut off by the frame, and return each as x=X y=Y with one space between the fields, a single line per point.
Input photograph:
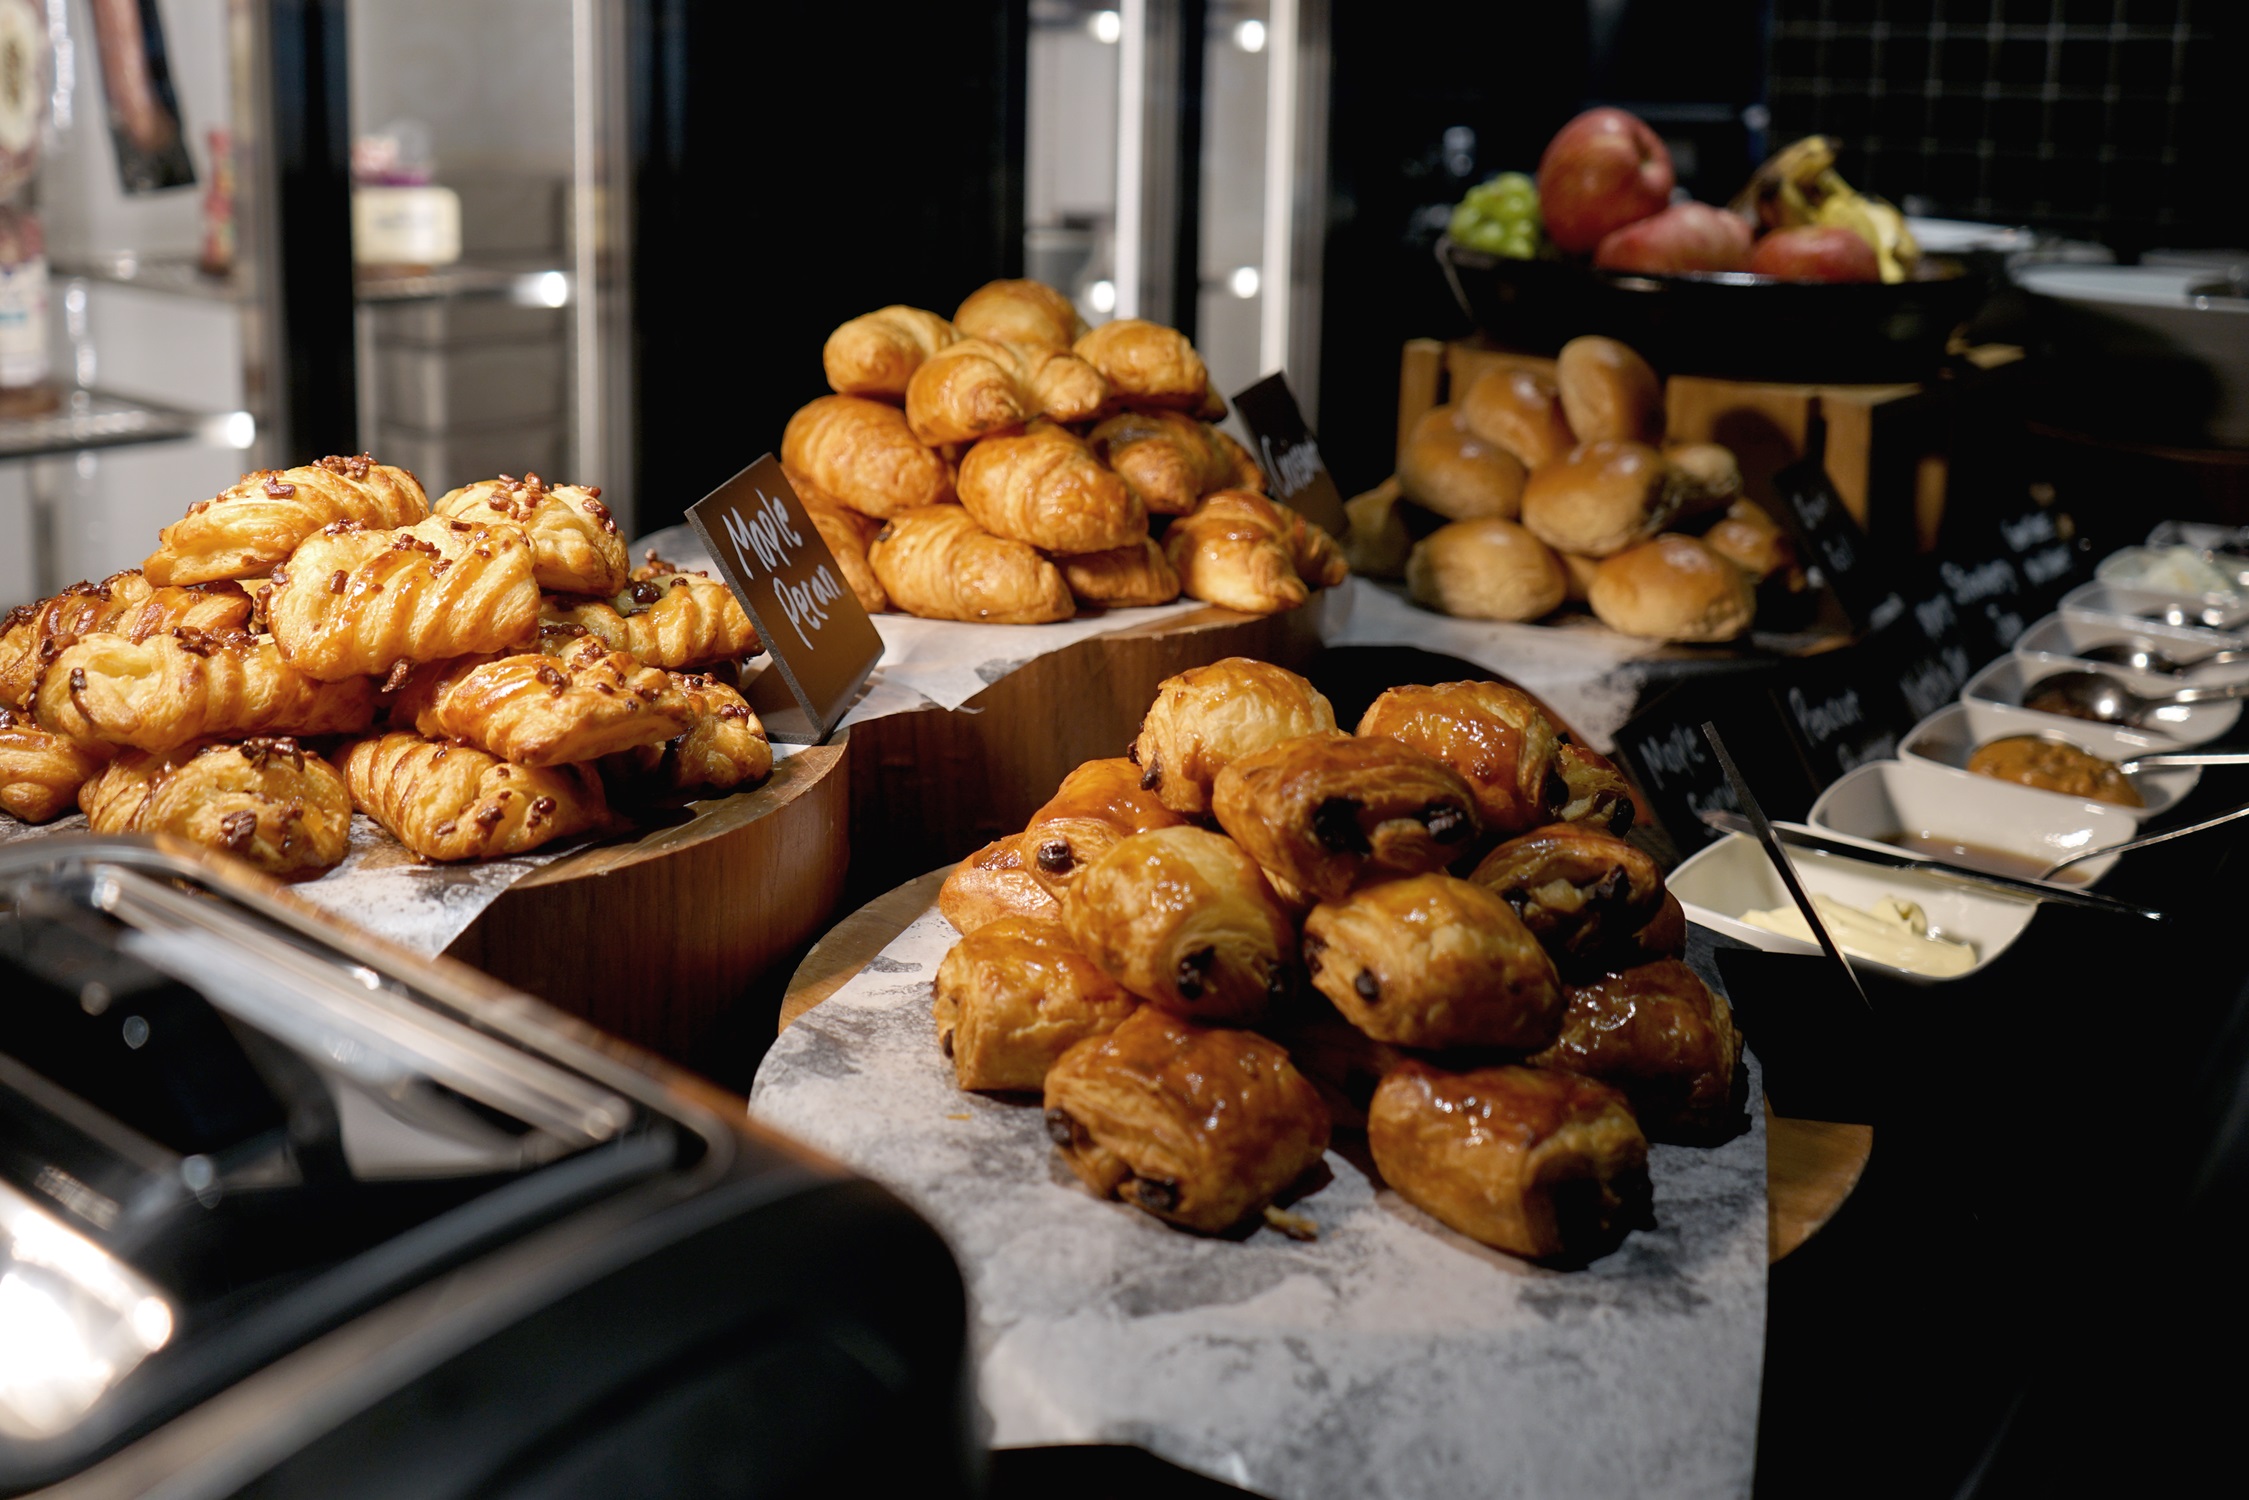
x=1244 y=282
x=1250 y=36
x=1103 y=296
x=1106 y=26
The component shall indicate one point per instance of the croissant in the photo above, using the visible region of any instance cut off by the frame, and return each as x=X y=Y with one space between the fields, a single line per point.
x=1171 y=461
x=244 y=531
x=1136 y=573
x=1045 y=487
x=1147 y=364
x=863 y=453
x=936 y=562
x=269 y=801
x=189 y=684
x=676 y=621
x=40 y=773
x=1020 y=312
x=724 y=747
x=353 y=602
x=575 y=548
x=876 y=353
x=847 y=534
x=1245 y=552
x=448 y=802
x=977 y=387
x=122 y=604
x=539 y=710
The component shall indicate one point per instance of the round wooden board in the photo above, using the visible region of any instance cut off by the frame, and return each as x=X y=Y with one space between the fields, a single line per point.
x=1811 y=1166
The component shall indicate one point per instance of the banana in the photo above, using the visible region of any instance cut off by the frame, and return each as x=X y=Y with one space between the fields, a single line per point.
x=1799 y=185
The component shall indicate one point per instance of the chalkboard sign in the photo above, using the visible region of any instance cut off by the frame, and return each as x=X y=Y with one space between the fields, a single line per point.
x=821 y=641
x=1295 y=473
x=1842 y=711
x=1927 y=652
x=1663 y=748
x=2042 y=543
x=1987 y=592
x=1835 y=546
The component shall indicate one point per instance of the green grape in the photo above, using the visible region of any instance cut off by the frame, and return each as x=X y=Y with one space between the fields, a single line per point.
x=1500 y=217
x=1484 y=235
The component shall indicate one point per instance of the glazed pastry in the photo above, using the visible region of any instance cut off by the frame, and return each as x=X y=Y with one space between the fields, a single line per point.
x=1608 y=391
x=122 y=604
x=725 y=746
x=1200 y=1127
x=1486 y=570
x=1185 y=920
x=353 y=602
x=575 y=548
x=847 y=534
x=1207 y=716
x=1245 y=552
x=1599 y=794
x=269 y=801
x=992 y=883
x=1098 y=805
x=1172 y=461
x=1752 y=541
x=1013 y=996
x=1147 y=364
x=2053 y=766
x=1520 y=410
x=1539 y=1164
x=1432 y=961
x=1662 y=1037
x=1136 y=573
x=537 y=710
x=248 y=530
x=936 y=562
x=1665 y=936
x=976 y=387
x=876 y=353
x=1327 y=810
x=1046 y=488
x=863 y=453
x=449 y=802
x=1495 y=736
x=1582 y=891
x=677 y=621
x=191 y=684
x=1601 y=499
x=1672 y=589
x=1450 y=470
x=1378 y=544
x=1020 y=312
x=40 y=773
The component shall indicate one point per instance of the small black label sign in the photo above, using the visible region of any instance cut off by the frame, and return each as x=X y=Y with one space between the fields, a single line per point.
x=1841 y=716
x=1663 y=748
x=822 y=643
x=1290 y=455
x=1928 y=652
x=1835 y=544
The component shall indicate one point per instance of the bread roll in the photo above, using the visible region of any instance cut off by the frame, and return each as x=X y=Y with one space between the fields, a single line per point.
x=1673 y=589
x=1709 y=476
x=1579 y=571
x=1752 y=541
x=1378 y=542
x=1608 y=391
x=1521 y=410
x=1601 y=499
x=1457 y=474
x=1486 y=570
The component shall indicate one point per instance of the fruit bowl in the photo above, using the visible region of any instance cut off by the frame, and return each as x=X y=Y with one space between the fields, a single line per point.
x=1724 y=323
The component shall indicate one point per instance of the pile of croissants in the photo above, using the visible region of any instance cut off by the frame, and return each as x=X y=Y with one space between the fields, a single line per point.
x=480 y=677
x=1550 y=481
x=1257 y=928
x=1007 y=466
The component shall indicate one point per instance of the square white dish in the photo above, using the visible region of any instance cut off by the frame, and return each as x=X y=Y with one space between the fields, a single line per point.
x=2135 y=607
x=1733 y=876
x=2005 y=681
x=2071 y=636
x=2125 y=568
x=1953 y=733
x=2029 y=829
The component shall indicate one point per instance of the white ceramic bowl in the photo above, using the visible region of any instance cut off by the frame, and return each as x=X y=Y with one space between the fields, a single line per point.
x=1953 y=733
x=1733 y=876
x=2005 y=681
x=2071 y=636
x=2120 y=566
x=2022 y=829
x=2131 y=608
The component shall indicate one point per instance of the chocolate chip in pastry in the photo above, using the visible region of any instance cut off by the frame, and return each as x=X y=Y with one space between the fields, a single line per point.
x=537 y=710
x=40 y=773
x=678 y=621
x=876 y=354
x=123 y=604
x=1098 y=805
x=449 y=802
x=1199 y=1126
x=575 y=545
x=863 y=453
x=1432 y=961
x=1662 y=1037
x=1147 y=364
x=1583 y=892
x=1539 y=1164
x=992 y=883
x=1137 y=573
x=1045 y=487
x=1207 y=716
x=1184 y=919
x=1013 y=996
x=1172 y=461
x=1247 y=553
x=1496 y=737
x=257 y=524
x=354 y=602
x=938 y=563
x=190 y=684
x=1599 y=794
x=1327 y=810
x=266 y=800
x=1020 y=312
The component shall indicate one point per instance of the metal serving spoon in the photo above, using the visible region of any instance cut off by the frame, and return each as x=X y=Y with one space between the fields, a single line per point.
x=2148 y=659
x=2139 y=763
x=2207 y=618
x=2098 y=696
x=2146 y=839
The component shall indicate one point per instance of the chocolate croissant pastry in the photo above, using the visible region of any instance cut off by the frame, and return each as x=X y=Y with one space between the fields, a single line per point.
x=1207 y=716
x=1495 y=736
x=354 y=602
x=1098 y=806
x=724 y=747
x=863 y=453
x=40 y=773
x=876 y=354
x=1013 y=996
x=1184 y=919
x=1432 y=961
x=674 y=620
x=537 y=710
x=1200 y=1127
x=266 y=800
x=1245 y=552
x=1585 y=893
x=977 y=387
x=123 y=604
x=253 y=527
x=847 y=534
x=937 y=562
x=449 y=802
x=1662 y=1037
x=575 y=545
x=1147 y=364
x=1599 y=794
x=1326 y=810
x=1172 y=461
x=992 y=883
x=1136 y=573
x=191 y=684
x=1538 y=1164
x=1020 y=312
x=1045 y=487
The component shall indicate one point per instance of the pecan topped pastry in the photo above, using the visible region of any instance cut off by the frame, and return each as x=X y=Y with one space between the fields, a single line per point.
x=40 y=773
x=252 y=527
x=353 y=602
x=190 y=684
x=575 y=544
x=448 y=802
x=266 y=799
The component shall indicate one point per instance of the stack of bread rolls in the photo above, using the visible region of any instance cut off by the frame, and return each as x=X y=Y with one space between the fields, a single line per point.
x=1008 y=466
x=1544 y=488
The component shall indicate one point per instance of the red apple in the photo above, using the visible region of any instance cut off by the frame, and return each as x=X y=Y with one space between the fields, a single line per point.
x=1684 y=237
x=1601 y=171
x=1816 y=252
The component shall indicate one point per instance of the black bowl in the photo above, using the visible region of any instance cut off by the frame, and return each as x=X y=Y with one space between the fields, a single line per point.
x=1726 y=323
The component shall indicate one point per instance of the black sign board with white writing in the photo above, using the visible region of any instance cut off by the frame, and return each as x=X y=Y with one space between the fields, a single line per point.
x=821 y=641
x=1842 y=712
x=2042 y=543
x=1928 y=651
x=1833 y=542
x=1987 y=591
x=1290 y=455
x=1663 y=748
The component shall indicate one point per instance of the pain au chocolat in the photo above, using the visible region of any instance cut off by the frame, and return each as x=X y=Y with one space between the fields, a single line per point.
x=1013 y=996
x=1325 y=810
